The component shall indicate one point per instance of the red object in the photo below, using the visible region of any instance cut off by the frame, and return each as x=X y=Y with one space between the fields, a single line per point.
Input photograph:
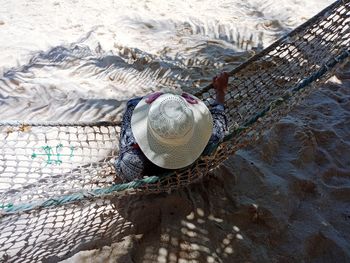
x=135 y=146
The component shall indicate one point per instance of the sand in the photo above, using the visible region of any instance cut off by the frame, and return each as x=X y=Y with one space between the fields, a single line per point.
x=81 y=60
x=284 y=199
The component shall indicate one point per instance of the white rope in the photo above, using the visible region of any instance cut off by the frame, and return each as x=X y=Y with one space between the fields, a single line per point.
x=58 y=123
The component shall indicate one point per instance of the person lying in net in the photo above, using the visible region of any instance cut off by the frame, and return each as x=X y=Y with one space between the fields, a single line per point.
x=164 y=131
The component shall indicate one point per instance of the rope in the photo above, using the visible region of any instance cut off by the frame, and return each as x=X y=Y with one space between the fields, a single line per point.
x=58 y=123
x=43 y=168
x=61 y=200
x=304 y=83
x=245 y=124
x=285 y=38
x=115 y=188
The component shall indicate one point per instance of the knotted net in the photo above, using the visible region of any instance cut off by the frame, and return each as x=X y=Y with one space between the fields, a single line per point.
x=57 y=189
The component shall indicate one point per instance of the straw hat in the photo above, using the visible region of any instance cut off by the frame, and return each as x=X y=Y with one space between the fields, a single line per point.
x=170 y=131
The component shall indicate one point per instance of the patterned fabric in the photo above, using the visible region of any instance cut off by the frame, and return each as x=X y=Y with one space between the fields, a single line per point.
x=133 y=164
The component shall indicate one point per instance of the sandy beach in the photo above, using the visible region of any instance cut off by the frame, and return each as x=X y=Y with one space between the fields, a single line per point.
x=81 y=60
x=284 y=199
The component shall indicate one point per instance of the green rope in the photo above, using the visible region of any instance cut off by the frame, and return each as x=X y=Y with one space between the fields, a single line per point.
x=61 y=200
x=304 y=83
x=2 y=206
x=138 y=184
x=100 y=192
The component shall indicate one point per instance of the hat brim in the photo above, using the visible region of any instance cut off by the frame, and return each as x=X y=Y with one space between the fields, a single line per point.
x=170 y=156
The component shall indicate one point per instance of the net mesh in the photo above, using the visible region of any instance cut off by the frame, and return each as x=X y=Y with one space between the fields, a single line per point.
x=39 y=162
x=45 y=169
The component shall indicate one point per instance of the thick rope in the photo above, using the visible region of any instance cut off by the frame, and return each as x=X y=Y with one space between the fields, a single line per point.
x=59 y=123
x=296 y=31
x=285 y=38
x=61 y=200
x=100 y=192
x=304 y=83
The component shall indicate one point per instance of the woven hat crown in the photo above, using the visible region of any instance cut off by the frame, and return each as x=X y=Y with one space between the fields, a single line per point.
x=171 y=120
x=172 y=130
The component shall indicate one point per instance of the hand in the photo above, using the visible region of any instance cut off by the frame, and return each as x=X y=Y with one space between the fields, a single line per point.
x=220 y=82
x=152 y=97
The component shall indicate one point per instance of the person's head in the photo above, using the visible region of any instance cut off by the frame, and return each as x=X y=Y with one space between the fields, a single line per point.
x=171 y=130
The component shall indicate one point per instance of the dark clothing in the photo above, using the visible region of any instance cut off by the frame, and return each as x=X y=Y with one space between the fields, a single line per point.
x=133 y=164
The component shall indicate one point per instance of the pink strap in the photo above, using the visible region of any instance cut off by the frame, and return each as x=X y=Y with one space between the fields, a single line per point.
x=189 y=98
x=152 y=97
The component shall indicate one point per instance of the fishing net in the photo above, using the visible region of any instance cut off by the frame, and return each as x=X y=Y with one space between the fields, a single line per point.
x=58 y=193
